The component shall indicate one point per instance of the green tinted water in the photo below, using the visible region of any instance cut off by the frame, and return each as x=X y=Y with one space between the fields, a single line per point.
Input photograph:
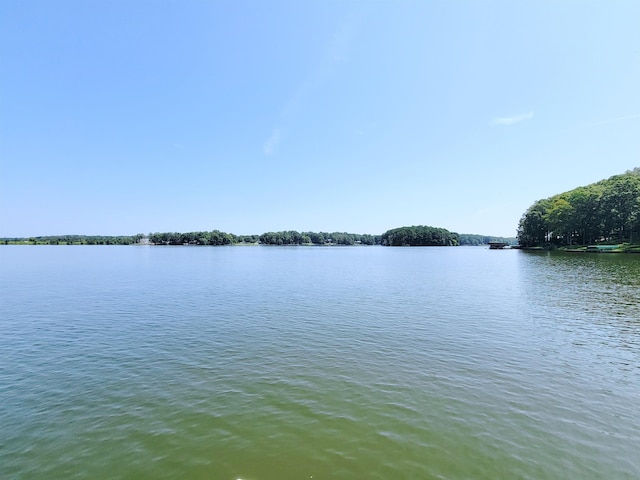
x=291 y=363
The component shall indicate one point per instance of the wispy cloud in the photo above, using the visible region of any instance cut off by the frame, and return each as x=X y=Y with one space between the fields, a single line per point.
x=614 y=120
x=513 y=119
x=272 y=142
x=336 y=52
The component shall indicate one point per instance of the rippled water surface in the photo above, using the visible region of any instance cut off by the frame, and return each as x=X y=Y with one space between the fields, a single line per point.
x=327 y=363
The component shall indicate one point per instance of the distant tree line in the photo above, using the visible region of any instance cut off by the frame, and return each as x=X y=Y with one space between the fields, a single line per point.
x=288 y=237
x=605 y=211
x=419 y=235
x=215 y=237
x=291 y=237
x=76 y=240
x=476 y=240
x=415 y=235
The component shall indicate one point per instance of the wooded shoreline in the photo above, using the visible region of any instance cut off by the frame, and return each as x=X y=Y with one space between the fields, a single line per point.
x=603 y=213
x=404 y=236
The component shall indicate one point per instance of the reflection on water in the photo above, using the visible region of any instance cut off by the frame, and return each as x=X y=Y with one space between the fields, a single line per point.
x=287 y=363
x=596 y=295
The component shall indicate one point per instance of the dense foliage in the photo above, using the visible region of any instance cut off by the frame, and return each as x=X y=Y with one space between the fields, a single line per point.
x=77 y=240
x=419 y=235
x=416 y=235
x=215 y=237
x=608 y=210
x=475 y=240
x=291 y=237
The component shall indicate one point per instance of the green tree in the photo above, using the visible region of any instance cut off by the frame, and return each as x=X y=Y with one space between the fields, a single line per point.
x=419 y=235
x=559 y=220
x=606 y=210
x=533 y=229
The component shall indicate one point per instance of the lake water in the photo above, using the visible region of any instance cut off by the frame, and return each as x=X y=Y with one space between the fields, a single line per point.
x=263 y=363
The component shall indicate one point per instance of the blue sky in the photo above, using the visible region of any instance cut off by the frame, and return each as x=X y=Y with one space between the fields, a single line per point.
x=119 y=117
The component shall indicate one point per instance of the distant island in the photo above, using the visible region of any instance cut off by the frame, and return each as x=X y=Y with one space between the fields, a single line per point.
x=603 y=216
x=419 y=235
x=425 y=236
